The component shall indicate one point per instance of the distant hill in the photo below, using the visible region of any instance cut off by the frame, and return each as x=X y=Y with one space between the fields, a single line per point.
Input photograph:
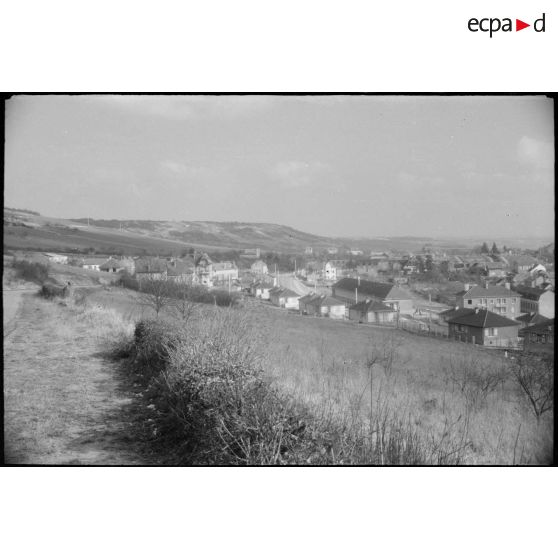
x=231 y=235
x=26 y=230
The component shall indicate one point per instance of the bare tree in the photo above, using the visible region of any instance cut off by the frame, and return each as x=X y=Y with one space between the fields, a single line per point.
x=535 y=377
x=181 y=304
x=155 y=294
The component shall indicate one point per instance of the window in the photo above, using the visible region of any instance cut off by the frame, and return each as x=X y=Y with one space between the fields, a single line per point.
x=503 y=310
x=492 y=331
x=469 y=302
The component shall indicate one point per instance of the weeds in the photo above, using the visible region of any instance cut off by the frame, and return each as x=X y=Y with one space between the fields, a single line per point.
x=31 y=271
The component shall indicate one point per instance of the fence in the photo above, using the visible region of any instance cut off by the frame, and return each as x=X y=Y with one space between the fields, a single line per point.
x=428 y=330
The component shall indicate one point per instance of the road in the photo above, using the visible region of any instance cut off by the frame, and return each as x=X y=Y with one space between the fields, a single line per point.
x=288 y=281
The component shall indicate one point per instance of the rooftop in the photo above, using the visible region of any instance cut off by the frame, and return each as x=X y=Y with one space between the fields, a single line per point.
x=482 y=319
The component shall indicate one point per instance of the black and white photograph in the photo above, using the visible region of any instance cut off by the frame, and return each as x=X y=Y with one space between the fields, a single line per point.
x=278 y=280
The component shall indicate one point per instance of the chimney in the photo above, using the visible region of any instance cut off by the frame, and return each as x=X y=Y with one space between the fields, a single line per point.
x=358 y=280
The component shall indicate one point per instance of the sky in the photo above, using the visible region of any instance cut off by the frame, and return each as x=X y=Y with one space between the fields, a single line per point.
x=438 y=166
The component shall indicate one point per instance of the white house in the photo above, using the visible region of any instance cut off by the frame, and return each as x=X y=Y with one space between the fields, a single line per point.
x=93 y=264
x=259 y=268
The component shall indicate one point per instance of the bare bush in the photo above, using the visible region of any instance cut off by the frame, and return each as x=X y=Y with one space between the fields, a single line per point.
x=474 y=377
x=534 y=375
x=155 y=294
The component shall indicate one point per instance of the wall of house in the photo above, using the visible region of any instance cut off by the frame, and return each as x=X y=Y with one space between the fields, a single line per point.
x=291 y=302
x=337 y=312
x=546 y=304
x=512 y=309
x=405 y=306
x=478 y=336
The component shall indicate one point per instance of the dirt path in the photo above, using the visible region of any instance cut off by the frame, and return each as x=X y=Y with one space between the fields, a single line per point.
x=64 y=401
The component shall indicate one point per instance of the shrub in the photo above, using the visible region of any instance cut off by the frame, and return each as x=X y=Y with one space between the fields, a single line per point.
x=127 y=281
x=31 y=271
x=210 y=404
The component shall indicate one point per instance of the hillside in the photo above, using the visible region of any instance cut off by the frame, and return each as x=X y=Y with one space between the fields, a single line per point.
x=24 y=230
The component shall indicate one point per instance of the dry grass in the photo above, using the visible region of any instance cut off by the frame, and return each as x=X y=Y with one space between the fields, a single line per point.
x=323 y=363
x=62 y=398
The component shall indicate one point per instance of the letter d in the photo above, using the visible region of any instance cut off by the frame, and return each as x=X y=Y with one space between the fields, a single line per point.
x=535 y=25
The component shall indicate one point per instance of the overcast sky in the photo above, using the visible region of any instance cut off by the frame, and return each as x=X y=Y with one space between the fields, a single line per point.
x=344 y=166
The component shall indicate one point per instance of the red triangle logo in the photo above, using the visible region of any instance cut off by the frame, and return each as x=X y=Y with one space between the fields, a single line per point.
x=519 y=25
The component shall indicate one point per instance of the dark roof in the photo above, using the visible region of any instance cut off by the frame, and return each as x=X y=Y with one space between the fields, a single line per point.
x=288 y=293
x=179 y=268
x=373 y=288
x=531 y=318
x=307 y=298
x=324 y=301
x=454 y=313
x=543 y=327
x=482 y=319
x=371 y=306
x=530 y=293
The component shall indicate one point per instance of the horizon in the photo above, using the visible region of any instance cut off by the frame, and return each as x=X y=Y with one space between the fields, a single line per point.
x=544 y=238
x=338 y=166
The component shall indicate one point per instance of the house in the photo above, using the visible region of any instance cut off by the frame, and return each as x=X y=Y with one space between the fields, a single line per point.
x=539 y=338
x=372 y=312
x=203 y=271
x=112 y=265
x=260 y=289
x=536 y=300
x=500 y=300
x=93 y=264
x=56 y=258
x=180 y=271
x=322 y=305
x=259 y=267
x=523 y=263
x=480 y=326
x=330 y=271
x=356 y=252
x=530 y=319
x=494 y=269
x=446 y=315
x=308 y=250
x=150 y=268
x=224 y=272
x=284 y=298
x=356 y=290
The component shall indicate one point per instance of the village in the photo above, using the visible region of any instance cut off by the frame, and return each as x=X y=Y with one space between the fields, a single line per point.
x=485 y=297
